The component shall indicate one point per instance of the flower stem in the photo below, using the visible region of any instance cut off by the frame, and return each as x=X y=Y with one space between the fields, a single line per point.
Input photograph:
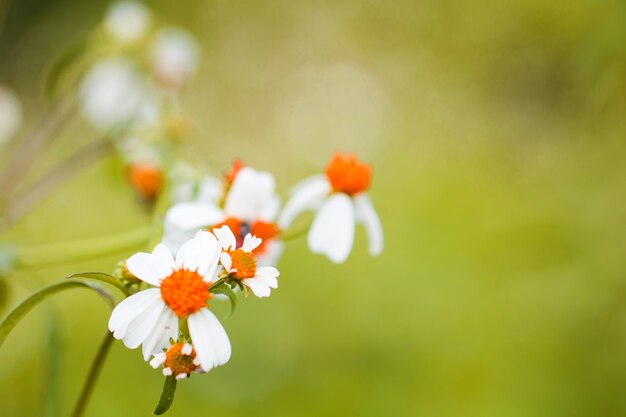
x=94 y=372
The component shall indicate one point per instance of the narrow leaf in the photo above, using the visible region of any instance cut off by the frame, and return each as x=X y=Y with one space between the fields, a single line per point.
x=101 y=276
x=225 y=289
x=9 y=322
x=167 y=396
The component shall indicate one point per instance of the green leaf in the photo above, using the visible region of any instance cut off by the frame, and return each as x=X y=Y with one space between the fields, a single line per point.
x=102 y=277
x=167 y=396
x=60 y=66
x=9 y=322
x=225 y=289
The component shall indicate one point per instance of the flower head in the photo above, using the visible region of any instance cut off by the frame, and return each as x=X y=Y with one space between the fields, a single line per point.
x=127 y=21
x=340 y=199
x=180 y=360
x=240 y=264
x=146 y=178
x=150 y=317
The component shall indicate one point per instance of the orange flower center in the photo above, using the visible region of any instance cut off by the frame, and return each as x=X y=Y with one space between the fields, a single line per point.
x=347 y=175
x=263 y=230
x=178 y=362
x=244 y=263
x=146 y=178
x=185 y=292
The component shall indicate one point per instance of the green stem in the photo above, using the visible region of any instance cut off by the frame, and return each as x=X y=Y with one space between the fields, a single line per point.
x=217 y=283
x=94 y=372
x=81 y=249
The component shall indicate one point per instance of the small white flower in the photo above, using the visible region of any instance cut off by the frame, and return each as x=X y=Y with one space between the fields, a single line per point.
x=250 y=206
x=241 y=265
x=180 y=360
x=150 y=317
x=127 y=21
x=341 y=200
x=114 y=92
x=10 y=113
x=174 y=56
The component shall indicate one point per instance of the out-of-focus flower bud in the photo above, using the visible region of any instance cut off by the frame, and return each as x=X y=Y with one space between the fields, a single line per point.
x=114 y=92
x=175 y=55
x=127 y=21
x=123 y=274
x=177 y=127
x=10 y=113
x=146 y=178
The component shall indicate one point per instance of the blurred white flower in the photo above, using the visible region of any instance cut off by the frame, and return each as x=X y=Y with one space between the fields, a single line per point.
x=175 y=55
x=150 y=317
x=113 y=92
x=127 y=21
x=251 y=206
x=241 y=265
x=10 y=113
x=341 y=200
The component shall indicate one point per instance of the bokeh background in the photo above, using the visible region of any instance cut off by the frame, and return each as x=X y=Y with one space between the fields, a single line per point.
x=497 y=135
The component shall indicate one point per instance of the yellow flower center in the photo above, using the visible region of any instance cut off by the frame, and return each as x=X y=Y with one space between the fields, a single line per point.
x=244 y=263
x=178 y=362
x=185 y=292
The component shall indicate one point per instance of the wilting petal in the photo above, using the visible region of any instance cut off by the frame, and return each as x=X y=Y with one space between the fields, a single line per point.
x=140 y=328
x=165 y=328
x=332 y=231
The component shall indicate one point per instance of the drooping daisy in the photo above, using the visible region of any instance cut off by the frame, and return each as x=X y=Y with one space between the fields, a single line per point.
x=150 y=317
x=240 y=265
x=340 y=198
x=180 y=360
x=250 y=205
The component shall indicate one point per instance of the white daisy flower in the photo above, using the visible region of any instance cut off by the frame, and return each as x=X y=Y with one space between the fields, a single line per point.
x=250 y=206
x=150 y=317
x=175 y=55
x=127 y=21
x=10 y=113
x=180 y=360
x=114 y=92
x=240 y=264
x=340 y=198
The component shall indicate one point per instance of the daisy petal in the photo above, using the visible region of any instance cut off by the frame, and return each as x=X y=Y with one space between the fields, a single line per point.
x=209 y=339
x=308 y=195
x=127 y=310
x=141 y=328
x=250 y=243
x=151 y=267
x=226 y=261
x=225 y=237
x=258 y=287
x=192 y=216
x=268 y=275
x=366 y=214
x=251 y=195
x=332 y=231
x=199 y=254
x=165 y=328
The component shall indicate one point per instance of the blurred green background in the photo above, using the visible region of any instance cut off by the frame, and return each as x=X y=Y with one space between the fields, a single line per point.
x=497 y=135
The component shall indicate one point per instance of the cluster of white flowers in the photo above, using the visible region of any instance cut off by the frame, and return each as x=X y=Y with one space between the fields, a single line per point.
x=229 y=237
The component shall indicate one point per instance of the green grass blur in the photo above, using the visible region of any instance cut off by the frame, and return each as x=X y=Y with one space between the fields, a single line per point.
x=497 y=135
